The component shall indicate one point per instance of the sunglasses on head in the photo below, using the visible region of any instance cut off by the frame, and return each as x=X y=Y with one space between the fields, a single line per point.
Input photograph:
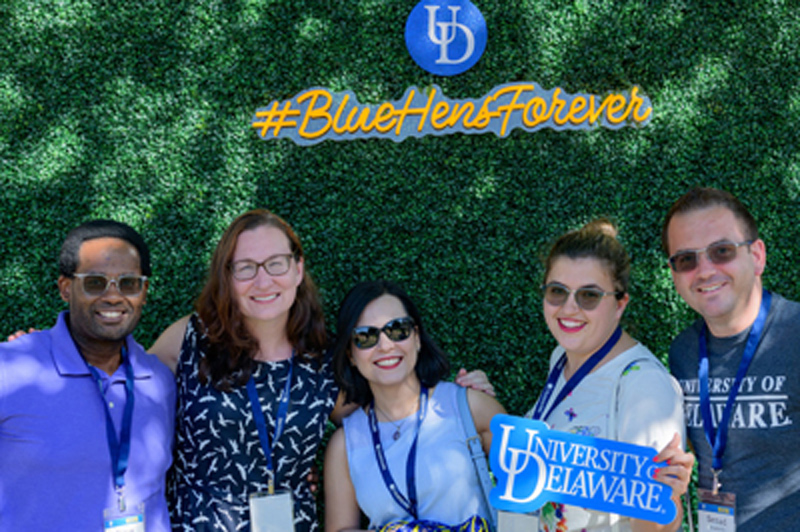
x=395 y=330
x=717 y=253
x=586 y=297
x=96 y=284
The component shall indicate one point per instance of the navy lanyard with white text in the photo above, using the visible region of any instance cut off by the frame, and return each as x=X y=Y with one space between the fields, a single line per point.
x=119 y=450
x=408 y=504
x=719 y=440
x=280 y=418
x=573 y=381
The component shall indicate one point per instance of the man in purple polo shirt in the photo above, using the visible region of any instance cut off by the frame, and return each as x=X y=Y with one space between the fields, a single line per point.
x=86 y=416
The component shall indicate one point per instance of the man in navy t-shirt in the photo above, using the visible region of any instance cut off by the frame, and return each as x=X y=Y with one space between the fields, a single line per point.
x=747 y=451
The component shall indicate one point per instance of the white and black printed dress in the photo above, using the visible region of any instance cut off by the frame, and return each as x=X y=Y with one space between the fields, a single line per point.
x=218 y=458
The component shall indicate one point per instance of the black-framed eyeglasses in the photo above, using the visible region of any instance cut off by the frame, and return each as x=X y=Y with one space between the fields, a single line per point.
x=396 y=330
x=586 y=297
x=718 y=253
x=97 y=284
x=244 y=270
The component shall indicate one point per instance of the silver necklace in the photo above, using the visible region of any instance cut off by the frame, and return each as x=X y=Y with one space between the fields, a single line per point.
x=397 y=425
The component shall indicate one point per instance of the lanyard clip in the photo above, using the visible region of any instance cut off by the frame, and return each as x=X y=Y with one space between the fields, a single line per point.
x=271 y=486
x=121 y=498
x=715 y=483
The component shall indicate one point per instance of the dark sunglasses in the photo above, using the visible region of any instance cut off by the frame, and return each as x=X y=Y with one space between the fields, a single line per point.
x=96 y=284
x=718 y=253
x=396 y=330
x=586 y=297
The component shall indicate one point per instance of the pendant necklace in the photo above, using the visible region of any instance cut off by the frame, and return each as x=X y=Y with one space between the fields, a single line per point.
x=397 y=425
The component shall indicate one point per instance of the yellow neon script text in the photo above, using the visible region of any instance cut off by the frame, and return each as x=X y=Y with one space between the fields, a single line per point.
x=318 y=113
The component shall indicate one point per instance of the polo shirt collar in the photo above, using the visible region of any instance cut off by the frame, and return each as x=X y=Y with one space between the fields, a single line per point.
x=68 y=360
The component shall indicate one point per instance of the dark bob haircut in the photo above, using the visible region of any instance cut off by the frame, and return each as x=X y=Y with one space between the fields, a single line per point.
x=432 y=363
x=91 y=230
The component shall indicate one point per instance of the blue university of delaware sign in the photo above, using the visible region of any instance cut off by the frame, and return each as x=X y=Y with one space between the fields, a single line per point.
x=446 y=37
x=534 y=465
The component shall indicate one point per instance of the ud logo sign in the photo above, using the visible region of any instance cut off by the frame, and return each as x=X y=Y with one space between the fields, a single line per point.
x=534 y=465
x=446 y=37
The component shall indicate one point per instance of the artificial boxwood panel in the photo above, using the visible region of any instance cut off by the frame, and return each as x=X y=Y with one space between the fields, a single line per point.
x=141 y=112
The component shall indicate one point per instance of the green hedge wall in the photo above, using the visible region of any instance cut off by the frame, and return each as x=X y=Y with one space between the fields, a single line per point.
x=141 y=111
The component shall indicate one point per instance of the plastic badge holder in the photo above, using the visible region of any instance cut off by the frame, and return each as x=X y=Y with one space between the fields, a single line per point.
x=272 y=513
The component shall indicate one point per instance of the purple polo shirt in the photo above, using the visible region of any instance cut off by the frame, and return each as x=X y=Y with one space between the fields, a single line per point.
x=55 y=467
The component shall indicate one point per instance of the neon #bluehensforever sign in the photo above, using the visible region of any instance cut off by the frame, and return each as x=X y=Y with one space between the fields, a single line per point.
x=534 y=465
x=318 y=114
x=446 y=37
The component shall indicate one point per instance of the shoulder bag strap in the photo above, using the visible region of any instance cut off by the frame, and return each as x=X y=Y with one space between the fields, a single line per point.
x=612 y=415
x=476 y=451
x=612 y=425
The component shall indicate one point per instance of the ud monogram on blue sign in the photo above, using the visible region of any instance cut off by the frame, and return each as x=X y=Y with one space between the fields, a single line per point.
x=534 y=465
x=445 y=37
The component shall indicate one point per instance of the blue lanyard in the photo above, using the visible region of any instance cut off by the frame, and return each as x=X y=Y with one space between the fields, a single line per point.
x=119 y=449
x=280 y=419
x=573 y=381
x=719 y=440
x=408 y=504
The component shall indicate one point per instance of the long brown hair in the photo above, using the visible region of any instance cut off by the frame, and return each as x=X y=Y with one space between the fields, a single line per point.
x=230 y=346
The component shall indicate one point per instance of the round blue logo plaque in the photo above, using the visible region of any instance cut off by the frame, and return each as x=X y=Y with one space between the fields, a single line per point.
x=446 y=37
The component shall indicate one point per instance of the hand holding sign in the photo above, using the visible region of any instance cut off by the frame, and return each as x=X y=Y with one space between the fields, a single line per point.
x=678 y=472
x=534 y=465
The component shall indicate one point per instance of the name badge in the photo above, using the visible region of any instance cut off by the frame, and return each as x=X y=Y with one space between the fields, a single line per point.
x=716 y=512
x=127 y=520
x=272 y=513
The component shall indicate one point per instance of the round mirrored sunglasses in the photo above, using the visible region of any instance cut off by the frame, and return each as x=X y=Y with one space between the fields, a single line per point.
x=396 y=330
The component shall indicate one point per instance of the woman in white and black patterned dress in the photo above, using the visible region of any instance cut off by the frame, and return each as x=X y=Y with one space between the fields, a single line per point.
x=258 y=315
x=219 y=460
